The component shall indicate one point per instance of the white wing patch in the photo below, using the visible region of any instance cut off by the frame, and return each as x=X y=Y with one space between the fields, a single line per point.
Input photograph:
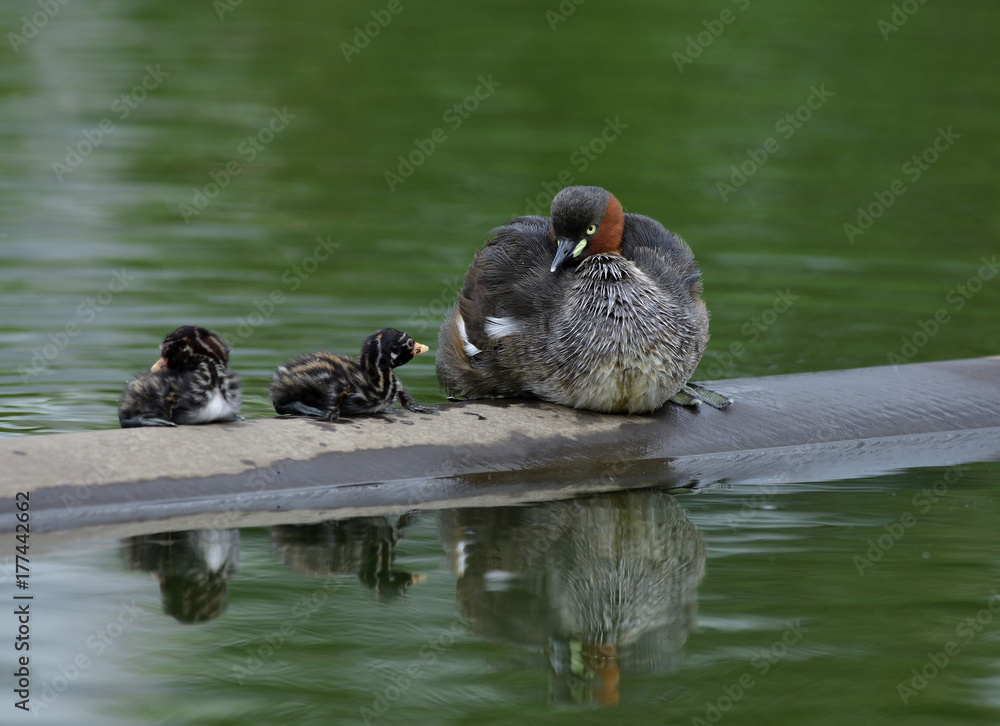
x=499 y=327
x=470 y=349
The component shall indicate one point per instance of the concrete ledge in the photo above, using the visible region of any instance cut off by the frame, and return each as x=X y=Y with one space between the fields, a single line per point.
x=803 y=427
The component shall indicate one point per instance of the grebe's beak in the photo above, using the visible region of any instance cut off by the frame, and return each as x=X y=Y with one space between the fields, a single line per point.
x=567 y=248
x=419 y=348
x=159 y=365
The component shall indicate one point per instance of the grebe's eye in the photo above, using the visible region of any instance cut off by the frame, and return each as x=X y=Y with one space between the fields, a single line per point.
x=592 y=229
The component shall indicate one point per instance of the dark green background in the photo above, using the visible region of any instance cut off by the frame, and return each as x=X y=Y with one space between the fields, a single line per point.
x=399 y=258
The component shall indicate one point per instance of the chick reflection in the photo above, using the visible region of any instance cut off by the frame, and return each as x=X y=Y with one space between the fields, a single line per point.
x=192 y=568
x=606 y=584
x=362 y=546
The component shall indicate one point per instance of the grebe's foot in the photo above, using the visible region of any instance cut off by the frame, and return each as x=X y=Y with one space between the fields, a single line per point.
x=297 y=408
x=410 y=403
x=417 y=408
x=713 y=399
x=140 y=421
x=683 y=398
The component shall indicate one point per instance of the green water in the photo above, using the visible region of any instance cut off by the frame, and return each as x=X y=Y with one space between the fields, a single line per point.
x=237 y=165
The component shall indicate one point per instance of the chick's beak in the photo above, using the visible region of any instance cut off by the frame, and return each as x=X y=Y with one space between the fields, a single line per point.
x=419 y=348
x=159 y=365
x=563 y=252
